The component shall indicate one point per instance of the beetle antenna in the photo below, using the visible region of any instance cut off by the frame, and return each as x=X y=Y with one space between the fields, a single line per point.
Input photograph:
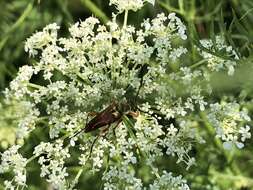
x=137 y=94
x=77 y=133
x=143 y=71
x=92 y=145
x=80 y=130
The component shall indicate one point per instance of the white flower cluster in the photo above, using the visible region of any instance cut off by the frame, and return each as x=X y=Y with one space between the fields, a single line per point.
x=19 y=86
x=25 y=115
x=123 y=5
x=214 y=52
x=52 y=159
x=229 y=119
x=13 y=161
x=120 y=178
x=167 y=181
x=41 y=39
x=177 y=142
x=147 y=141
x=98 y=65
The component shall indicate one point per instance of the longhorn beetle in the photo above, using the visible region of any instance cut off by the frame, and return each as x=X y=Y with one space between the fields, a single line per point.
x=111 y=114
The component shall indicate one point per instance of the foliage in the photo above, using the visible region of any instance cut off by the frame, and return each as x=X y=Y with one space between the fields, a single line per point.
x=181 y=81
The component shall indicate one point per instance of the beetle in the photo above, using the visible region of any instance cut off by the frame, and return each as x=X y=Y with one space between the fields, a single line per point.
x=106 y=117
x=111 y=114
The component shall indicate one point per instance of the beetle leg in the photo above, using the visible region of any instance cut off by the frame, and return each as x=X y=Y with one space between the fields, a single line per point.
x=133 y=114
x=117 y=124
x=93 y=143
x=101 y=134
x=93 y=113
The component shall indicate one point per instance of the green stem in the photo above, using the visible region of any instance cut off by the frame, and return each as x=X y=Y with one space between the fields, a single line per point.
x=95 y=10
x=64 y=8
x=198 y=63
x=125 y=19
x=79 y=174
x=31 y=158
x=181 y=6
x=18 y=23
x=75 y=181
x=36 y=86
x=169 y=8
x=236 y=178
x=84 y=79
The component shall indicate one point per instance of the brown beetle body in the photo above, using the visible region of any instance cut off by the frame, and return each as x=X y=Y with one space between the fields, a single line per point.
x=113 y=113
x=106 y=117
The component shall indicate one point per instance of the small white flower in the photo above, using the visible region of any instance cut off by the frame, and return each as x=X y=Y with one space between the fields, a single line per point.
x=226 y=118
x=216 y=63
x=11 y=159
x=172 y=130
x=245 y=133
x=134 y=5
x=130 y=158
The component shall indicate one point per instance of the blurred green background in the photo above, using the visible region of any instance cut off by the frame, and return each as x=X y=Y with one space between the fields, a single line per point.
x=216 y=168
